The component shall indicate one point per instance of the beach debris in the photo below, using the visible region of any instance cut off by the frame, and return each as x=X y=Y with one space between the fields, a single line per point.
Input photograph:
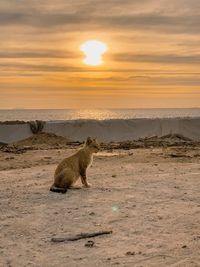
x=12 y=122
x=3 y=144
x=130 y=253
x=89 y=244
x=9 y=158
x=14 y=149
x=178 y=155
x=79 y=236
x=150 y=142
x=74 y=143
x=184 y=246
x=36 y=126
x=43 y=140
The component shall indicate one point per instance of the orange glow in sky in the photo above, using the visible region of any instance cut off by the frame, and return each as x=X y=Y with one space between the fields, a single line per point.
x=57 y=56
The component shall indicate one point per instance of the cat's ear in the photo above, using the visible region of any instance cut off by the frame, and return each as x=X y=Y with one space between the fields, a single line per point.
x=89 y=141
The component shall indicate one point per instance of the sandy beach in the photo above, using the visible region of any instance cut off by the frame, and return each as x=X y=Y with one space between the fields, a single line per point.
x=121 y=77
x=148 y=197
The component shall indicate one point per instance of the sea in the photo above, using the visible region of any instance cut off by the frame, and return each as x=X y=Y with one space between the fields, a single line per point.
x=95 y=114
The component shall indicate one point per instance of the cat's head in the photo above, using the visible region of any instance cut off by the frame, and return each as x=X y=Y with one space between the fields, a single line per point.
x=93 y=144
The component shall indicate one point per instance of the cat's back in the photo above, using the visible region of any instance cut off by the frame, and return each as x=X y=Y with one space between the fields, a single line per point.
x=71 y=162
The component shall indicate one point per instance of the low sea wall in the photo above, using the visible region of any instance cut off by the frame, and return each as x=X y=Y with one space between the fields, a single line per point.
x=107 y=130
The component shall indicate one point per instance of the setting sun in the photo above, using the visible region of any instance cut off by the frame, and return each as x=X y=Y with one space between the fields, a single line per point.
x=93 y=51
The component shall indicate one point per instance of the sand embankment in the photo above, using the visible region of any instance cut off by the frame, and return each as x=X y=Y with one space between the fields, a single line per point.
x=106 y=130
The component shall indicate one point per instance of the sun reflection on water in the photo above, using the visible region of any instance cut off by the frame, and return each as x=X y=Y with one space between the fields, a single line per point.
x=96 y=114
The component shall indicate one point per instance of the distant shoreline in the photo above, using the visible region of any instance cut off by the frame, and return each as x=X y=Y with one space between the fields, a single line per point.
x=13 y=122
x=55 y=115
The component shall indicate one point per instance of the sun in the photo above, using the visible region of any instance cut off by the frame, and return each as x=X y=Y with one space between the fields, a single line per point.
x=93 y=51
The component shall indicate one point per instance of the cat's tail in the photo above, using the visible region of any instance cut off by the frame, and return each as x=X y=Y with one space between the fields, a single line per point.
x=62 y=190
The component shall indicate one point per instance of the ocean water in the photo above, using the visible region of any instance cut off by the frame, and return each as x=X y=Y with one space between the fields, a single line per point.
x=97 y=114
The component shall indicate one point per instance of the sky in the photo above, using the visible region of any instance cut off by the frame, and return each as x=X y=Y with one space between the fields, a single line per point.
x=152 y=61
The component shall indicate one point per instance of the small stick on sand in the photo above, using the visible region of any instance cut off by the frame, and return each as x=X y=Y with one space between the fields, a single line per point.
x=79 y=236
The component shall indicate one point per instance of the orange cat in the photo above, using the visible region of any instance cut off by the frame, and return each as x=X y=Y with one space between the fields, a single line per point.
x=70 y=169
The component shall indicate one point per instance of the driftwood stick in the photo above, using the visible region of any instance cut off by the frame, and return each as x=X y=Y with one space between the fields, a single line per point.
x=79 y=236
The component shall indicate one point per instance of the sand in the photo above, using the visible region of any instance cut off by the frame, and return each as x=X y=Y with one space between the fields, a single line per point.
x=148 y=197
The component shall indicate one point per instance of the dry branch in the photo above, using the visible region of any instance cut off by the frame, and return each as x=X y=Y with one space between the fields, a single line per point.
x=79 y=236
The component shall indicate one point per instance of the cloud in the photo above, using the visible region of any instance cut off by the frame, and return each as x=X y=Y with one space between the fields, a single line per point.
x=163 y=58
x=10 y=66
x=157 y=22
x=179 y=16
x=40 y=20
x=38 y=67
x=78 y=21
x=42 y=53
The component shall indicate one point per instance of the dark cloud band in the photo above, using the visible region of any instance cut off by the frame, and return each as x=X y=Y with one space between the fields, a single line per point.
x=79 y=21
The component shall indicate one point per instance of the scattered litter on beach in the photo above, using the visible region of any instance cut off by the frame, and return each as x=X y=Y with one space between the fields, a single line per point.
x=51 y=141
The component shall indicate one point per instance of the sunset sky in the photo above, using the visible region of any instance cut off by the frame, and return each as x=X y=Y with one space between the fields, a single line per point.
x=153 y=56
